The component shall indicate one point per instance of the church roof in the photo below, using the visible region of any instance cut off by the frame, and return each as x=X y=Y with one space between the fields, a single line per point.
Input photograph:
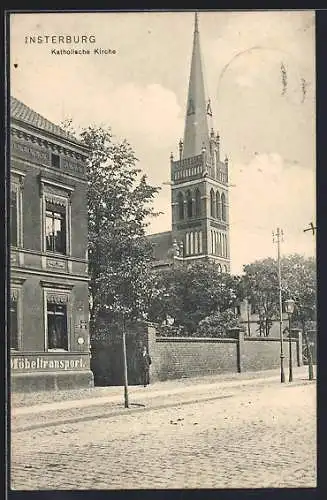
x=196 y=132
x=162 y=244
x=24 y=113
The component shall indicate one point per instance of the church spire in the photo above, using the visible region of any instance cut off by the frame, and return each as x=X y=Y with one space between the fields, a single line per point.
x=196 y=132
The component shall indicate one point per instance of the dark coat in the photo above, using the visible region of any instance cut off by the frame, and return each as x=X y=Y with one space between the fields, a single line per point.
x=145 y=361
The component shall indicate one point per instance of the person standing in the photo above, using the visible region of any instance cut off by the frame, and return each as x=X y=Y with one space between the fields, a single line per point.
x=146 y=362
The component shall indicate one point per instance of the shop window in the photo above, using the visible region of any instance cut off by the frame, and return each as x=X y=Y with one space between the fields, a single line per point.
x=57 y=326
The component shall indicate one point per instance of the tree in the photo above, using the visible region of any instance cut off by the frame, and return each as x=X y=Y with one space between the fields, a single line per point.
x=119 y=206
x=189 y=293
x=260 y=286
x=218 y=324
x=299 y=282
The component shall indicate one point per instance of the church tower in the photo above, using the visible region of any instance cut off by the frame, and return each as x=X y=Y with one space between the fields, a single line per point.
x=199 y=179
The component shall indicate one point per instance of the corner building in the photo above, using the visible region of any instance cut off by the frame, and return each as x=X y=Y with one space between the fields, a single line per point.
x=199 y=183
x=49 y=310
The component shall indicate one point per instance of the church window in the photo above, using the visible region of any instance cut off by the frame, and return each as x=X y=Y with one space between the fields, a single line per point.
x=212 y=203
x=180 y=199
x=197 y=202
x=223 y=207
x=196 y=243
x=200 y=241
x=187 y=244
x=189 y=204
x=219 y=268
x=212 y=248
x=218 y=205
x=192 y=243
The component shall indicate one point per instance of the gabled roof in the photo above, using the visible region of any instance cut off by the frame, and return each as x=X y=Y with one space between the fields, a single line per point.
x=20 y=111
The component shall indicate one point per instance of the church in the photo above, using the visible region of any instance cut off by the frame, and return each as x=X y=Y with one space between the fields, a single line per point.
x=199 y=185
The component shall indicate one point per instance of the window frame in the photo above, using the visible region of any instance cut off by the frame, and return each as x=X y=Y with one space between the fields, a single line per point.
x=59 y=295
x=17 y=185
x=63 y=220
x=56 y=194
x=197 y=202
x=180 y=205
x=16 y=293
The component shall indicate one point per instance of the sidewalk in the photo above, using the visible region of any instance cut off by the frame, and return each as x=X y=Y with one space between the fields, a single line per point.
x=71 y=406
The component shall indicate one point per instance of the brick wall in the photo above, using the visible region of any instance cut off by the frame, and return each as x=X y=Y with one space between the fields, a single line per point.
x=175 y=357
x=260 y=353
x=178 y=357
x=189 y=357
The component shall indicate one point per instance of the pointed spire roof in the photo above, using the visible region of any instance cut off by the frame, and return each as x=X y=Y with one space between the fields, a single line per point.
x=196 y=132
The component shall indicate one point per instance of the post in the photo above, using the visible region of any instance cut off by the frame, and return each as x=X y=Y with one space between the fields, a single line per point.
x=238 y=334
x=279 y=235
x=290 y=361
x=125 y=364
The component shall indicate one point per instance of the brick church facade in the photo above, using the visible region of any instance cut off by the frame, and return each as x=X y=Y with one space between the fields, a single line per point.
x=199 y=185
x=48 y=324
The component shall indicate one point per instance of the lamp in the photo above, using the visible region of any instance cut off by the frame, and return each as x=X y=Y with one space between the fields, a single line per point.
x=289 y=308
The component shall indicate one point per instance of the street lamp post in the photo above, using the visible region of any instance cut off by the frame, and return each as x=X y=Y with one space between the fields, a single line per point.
x=289 y=308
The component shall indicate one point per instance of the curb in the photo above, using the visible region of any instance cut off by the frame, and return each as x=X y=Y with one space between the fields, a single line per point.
x=140 y=408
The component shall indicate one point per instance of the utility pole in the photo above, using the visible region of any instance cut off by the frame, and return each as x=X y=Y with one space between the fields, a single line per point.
x=125 y=362
x=310 y=228
x=277 y=238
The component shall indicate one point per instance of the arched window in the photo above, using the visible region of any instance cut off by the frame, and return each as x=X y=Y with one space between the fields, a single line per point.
x=180 y=201
x=218 y=205
x=192 y=243
x=196 y=243
x=216 y=243
x=212 y=203
x=219 y=268
x=219 y=244
x=187 y=244
x=200 y=241
x=223 y=207
x=189 y=204
x=197 y=202
x=225 y=269
x=212 y=247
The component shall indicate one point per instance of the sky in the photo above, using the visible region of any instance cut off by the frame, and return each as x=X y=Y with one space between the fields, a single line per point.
x=266 y=120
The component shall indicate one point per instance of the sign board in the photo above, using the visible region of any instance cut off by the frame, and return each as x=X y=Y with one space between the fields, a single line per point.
x=48 y=362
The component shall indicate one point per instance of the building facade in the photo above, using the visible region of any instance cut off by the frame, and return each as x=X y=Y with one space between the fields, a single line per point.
x=49 y=310
x=199 y=183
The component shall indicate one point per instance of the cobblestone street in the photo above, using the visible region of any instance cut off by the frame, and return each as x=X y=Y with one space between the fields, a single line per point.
x=256 y=436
